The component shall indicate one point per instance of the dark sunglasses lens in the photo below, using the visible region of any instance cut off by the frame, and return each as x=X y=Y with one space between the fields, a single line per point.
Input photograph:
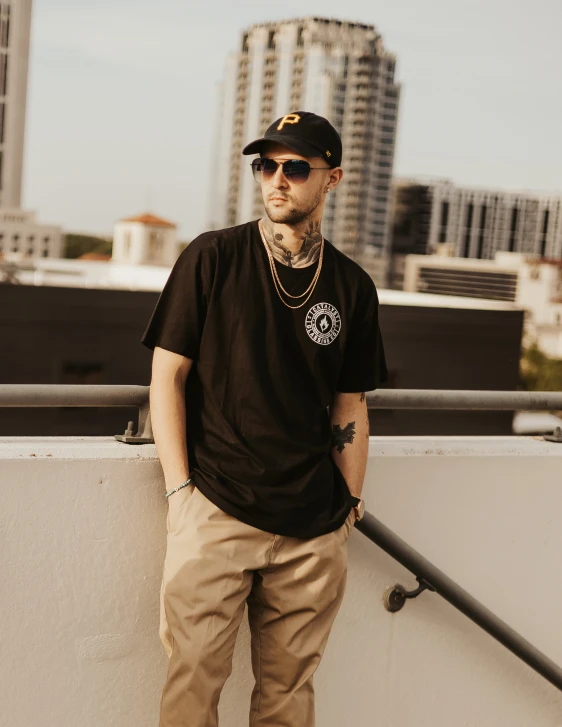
x=296 y=171
x=268 y=168
x=256 y=169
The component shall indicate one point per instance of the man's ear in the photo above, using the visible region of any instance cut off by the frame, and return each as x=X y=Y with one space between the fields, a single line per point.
x=335 y=177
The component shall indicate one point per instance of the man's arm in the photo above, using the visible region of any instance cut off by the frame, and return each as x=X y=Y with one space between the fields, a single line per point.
x=167 y=412
x=350 y=438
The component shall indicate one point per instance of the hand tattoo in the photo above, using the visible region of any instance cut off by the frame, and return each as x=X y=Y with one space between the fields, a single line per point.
x=341 y=437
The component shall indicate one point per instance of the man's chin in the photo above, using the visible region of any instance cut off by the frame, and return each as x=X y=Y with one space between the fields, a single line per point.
x=284 y=217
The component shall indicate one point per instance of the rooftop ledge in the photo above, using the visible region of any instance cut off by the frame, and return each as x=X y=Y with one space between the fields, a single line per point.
x=83 y=531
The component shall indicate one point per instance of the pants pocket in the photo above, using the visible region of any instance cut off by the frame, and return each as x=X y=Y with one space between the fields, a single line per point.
x=176 y=510
x=349 y=523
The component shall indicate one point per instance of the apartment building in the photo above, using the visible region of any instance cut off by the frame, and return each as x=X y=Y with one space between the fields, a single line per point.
x=340 y=70
x=473 y=222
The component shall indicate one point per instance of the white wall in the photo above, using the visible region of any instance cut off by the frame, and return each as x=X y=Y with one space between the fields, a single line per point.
x=82 y=528
x=131 y=244
x=28 y=238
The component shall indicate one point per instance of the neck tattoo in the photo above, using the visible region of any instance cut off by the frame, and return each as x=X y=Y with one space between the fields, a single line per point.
x=311 y=242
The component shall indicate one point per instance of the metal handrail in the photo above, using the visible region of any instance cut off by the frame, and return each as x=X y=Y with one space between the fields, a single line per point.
x=86 y=395
x=47 y=395
x=431 y=578
x=130 y=395
x=428 y=576
x=464 y=399
x=72 y=395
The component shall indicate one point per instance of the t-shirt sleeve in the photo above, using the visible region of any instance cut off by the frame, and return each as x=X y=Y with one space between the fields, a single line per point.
x=364 y=361
x=177 y=321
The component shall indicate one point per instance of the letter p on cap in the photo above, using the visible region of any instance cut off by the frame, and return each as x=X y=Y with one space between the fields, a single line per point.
x=289 y=119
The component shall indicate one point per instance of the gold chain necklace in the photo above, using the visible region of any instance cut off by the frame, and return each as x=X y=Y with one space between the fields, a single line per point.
x=277 y=281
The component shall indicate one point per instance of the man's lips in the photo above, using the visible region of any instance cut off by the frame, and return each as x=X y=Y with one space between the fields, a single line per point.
x=278 y=199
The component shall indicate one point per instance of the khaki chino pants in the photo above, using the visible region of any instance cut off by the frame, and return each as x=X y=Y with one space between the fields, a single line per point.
x=293 y=587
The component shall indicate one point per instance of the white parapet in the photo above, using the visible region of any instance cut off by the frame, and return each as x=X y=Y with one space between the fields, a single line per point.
x=82 y=522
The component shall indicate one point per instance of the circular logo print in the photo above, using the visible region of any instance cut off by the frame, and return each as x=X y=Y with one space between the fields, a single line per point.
x=323 y=323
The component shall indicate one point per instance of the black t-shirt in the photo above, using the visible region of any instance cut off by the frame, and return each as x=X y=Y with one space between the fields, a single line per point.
x=257 y=422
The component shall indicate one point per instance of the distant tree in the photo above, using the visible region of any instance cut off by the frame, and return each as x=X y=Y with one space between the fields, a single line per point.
x=76 y=245
x=539 y=372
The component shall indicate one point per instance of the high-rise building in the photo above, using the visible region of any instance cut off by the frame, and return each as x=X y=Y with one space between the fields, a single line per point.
x=339 y=70
x=15 y=26
x=473 y=222
x=20 y=233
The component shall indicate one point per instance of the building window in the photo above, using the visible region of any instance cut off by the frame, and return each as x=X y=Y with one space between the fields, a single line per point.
x=3 y=73
x=444 y=221
x=513 y=229
x=153 y=247
x=470 y=214
x=483 y=212
x=45 y=240
x=544 y=232
x=5 y=32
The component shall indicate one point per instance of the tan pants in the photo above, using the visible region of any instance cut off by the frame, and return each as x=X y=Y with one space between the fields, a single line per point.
x=293 y=587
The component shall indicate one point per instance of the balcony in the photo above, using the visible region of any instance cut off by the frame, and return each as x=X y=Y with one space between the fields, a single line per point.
x=83 y=520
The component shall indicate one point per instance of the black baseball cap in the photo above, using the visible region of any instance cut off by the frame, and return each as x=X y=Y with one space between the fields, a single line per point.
x=305 y=133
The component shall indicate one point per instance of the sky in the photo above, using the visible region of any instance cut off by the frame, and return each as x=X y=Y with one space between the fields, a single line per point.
x=122 y=98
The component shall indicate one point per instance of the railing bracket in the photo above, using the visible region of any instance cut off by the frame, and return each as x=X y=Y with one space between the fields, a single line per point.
x=145 y=429
x=556 y=436
x=395 y=596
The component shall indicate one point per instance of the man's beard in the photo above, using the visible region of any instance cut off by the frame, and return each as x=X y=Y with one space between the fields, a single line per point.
x=292 y=216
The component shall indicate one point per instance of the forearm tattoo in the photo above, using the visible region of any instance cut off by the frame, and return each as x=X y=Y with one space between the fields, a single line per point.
x=362 y=397
x=341 y=437
x=310 y=247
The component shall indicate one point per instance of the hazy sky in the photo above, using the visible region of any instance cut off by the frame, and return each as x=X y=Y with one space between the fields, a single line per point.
x=122 y=98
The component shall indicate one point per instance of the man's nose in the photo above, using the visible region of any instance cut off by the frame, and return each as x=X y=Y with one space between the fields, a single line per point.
x=279 y=180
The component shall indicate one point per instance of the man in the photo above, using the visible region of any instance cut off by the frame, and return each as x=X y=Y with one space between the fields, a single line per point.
x=265 y=340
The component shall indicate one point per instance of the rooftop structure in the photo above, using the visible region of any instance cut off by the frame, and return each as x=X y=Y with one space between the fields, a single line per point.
x=145 y=240
x=529 y=282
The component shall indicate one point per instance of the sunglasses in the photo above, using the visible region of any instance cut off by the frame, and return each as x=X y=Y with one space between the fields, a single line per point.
x=295 y=170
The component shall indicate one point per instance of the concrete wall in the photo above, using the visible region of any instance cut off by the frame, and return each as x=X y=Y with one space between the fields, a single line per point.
x=82 y=538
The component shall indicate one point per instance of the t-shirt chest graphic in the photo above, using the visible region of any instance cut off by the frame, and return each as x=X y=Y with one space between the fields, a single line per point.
x=323 y=323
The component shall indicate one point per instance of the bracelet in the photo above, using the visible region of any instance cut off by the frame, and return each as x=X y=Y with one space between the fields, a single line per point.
x=187 y=482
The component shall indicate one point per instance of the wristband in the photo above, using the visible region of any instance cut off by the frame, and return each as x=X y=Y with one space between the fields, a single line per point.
x=185 y=484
